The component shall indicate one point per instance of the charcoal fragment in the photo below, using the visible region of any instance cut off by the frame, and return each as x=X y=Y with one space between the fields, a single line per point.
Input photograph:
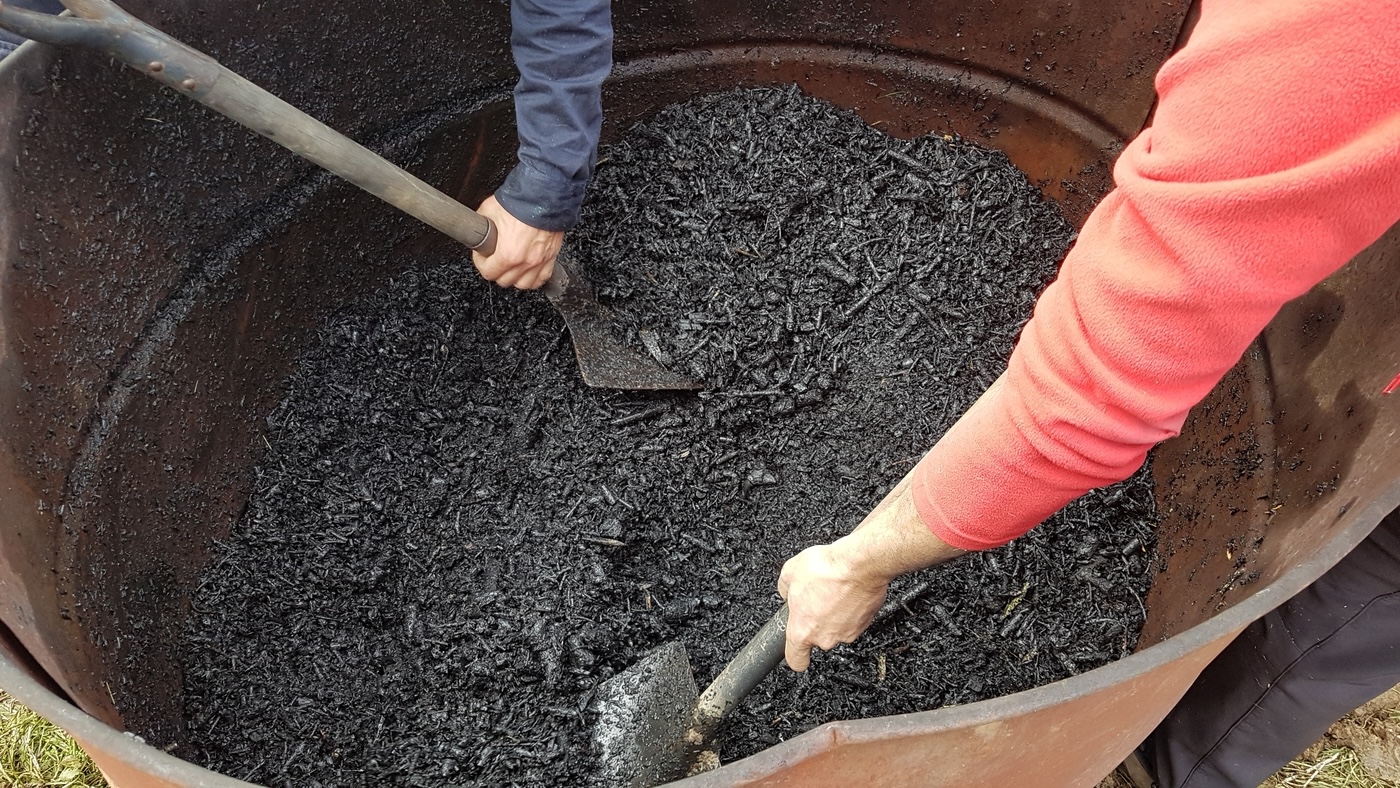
x=680 y=609
x=451 y=541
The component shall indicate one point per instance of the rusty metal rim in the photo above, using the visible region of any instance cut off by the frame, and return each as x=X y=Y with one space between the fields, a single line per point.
x=5 y=63
x=17 y=52
x=103 y=739
x=1220 y=625
x=908 y=65
x=115 y=746
x=118 y=746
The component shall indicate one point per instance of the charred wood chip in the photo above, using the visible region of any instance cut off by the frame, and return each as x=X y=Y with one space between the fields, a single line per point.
x=452 y=541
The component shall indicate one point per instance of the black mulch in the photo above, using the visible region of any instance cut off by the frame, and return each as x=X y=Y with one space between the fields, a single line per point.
x=452 y=541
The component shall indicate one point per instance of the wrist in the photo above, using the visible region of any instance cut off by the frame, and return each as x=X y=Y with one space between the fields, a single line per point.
x=542 y=198
x=892 y=541
x=859 y=562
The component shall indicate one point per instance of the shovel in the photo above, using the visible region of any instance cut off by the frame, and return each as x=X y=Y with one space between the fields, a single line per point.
x=101 y=25
x=655 y=727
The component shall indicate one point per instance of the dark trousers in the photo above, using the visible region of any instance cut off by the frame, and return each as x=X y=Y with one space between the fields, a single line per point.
x=1278 y=687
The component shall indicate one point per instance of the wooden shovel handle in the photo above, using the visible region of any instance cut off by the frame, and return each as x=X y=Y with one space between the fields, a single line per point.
x=104 y=26
x=765 y=650
x=750 y=666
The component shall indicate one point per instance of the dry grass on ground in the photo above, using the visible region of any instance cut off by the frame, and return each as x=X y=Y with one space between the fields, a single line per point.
x=35 y=754
x=1360 y=751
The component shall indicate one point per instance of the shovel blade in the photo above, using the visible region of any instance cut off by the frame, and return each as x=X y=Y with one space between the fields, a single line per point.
x=603 y=361
x=643 y=713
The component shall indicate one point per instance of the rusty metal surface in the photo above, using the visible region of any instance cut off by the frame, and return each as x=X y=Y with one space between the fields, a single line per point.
x=1214 y=489
x=1098 y=55
x=32 y=464
x=160 y=270
x=1295 y=442
x=1059 y=739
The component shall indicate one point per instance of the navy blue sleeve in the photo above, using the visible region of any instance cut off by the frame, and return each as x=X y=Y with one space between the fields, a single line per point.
x=563 y=49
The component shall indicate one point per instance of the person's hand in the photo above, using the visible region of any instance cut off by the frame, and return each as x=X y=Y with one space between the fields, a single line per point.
x=833 y=591
x=829 y=602
x=524 y=256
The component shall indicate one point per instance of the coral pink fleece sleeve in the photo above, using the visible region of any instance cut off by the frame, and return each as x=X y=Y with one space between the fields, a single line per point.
x=1274 y=158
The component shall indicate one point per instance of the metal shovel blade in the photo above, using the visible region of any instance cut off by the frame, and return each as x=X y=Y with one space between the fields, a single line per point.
x=653 y=727
x=603 y=361
x=643 y=713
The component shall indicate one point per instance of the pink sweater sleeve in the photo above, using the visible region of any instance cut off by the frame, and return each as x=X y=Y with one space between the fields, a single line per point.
x=1273 y=159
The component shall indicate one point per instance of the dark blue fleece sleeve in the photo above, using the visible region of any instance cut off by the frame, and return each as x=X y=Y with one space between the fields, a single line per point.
x=563 y=49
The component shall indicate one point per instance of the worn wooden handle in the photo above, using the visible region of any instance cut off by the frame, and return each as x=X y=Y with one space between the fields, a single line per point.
x=104 y=26
x=750 y=666
x=241 y=100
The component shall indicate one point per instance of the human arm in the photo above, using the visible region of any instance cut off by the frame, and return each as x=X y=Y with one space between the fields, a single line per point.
x=1234 y=202
x=833 y=591
x=563 y=50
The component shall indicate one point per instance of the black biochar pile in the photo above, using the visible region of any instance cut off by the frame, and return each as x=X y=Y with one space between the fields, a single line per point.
x=452 y=541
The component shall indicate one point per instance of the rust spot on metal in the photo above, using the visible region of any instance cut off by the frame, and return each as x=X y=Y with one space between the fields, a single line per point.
x=171 y=470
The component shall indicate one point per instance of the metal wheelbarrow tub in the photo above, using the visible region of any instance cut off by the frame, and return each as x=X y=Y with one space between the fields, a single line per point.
x=159 y=276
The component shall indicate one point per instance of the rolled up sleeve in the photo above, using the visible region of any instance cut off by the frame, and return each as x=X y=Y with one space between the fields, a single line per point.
x=1274 y=158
